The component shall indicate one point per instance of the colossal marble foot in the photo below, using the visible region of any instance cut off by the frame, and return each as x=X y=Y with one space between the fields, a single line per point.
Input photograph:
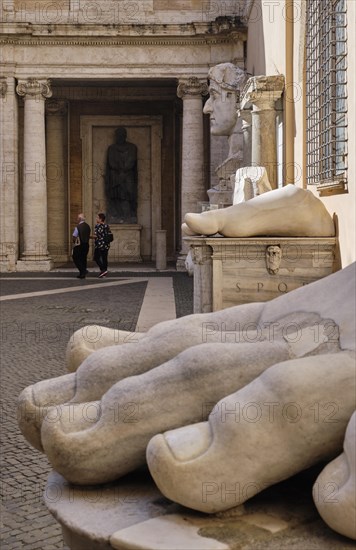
x=93 y=337
x=105 y=367
x=286 y=212
x=291 y=417
x=334 y=491
x=100 y=441
x=80 y=424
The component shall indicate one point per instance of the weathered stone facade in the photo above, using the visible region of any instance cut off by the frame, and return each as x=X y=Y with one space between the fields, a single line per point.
x=73 y=71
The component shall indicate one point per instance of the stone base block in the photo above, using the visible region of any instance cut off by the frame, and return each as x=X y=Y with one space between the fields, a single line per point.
x=126 y=246
x=229 y=272
x=6 y=267
x=34 y=265
x=132 y=513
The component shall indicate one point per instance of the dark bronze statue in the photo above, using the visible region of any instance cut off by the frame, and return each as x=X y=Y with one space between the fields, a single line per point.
x=121 y=180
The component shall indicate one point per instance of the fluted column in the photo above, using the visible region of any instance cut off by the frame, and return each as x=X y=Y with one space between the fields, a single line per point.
x=193 y=190
x=56 y=112
x=9 y=202
x=35 y=255
x=262 y=92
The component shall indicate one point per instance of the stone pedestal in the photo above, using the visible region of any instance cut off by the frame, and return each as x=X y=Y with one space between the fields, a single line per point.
x=126 y=244
x=229 y=272
x=132 y=513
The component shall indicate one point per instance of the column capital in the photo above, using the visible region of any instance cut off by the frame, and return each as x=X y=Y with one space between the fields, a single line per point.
x=31 y=88
x=3 y=86
x=191 y=87
x=262 y=92
x=56 y=107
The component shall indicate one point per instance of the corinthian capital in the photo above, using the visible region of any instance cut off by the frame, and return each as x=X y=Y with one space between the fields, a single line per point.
x=31 y=88
x=192 y=86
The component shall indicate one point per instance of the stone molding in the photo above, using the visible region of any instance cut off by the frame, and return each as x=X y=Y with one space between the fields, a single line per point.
x=124 y=41
x=262 y=92
x=215 y=32
x=192 y=86
x=34 y=89
x=56 y=107
x=3 y=86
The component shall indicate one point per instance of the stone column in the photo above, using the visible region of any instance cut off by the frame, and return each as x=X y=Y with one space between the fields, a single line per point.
x=9 y=201
x=56 y=180
x=262 y=92
x=193 y=190
x=246 y=115
x=34 y=200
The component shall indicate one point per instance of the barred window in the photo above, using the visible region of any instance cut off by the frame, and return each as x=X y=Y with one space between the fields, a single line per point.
x=326 y=93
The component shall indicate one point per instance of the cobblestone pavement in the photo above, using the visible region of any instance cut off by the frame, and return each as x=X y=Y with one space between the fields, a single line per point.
x=34 y=335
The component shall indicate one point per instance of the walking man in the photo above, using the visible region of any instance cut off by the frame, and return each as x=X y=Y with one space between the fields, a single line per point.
x=102 y=244
x=80 y=238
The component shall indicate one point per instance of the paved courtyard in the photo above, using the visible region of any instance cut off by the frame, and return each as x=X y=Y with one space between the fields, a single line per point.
x=39 y=313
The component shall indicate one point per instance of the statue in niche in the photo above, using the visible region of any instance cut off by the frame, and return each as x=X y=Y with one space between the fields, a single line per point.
x=121 y=179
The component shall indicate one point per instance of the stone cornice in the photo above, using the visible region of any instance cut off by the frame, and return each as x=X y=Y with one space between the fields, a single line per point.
x=27 y=34
x=122 y=41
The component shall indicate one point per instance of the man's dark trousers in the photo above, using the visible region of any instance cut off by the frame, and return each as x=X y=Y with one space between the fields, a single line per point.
x=80 y=253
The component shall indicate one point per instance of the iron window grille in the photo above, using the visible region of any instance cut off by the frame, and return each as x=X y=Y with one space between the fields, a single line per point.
x=326 y=93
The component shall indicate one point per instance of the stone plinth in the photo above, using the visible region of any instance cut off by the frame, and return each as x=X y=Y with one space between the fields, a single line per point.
x=120 y=514
x=229 y=272
x=132 y=513
x=126 y=244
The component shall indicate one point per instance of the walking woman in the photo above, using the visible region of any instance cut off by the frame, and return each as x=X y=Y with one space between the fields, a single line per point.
x=103 y=237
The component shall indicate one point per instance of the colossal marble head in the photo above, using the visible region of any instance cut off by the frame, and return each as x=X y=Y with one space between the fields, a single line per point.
x=225 y=83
